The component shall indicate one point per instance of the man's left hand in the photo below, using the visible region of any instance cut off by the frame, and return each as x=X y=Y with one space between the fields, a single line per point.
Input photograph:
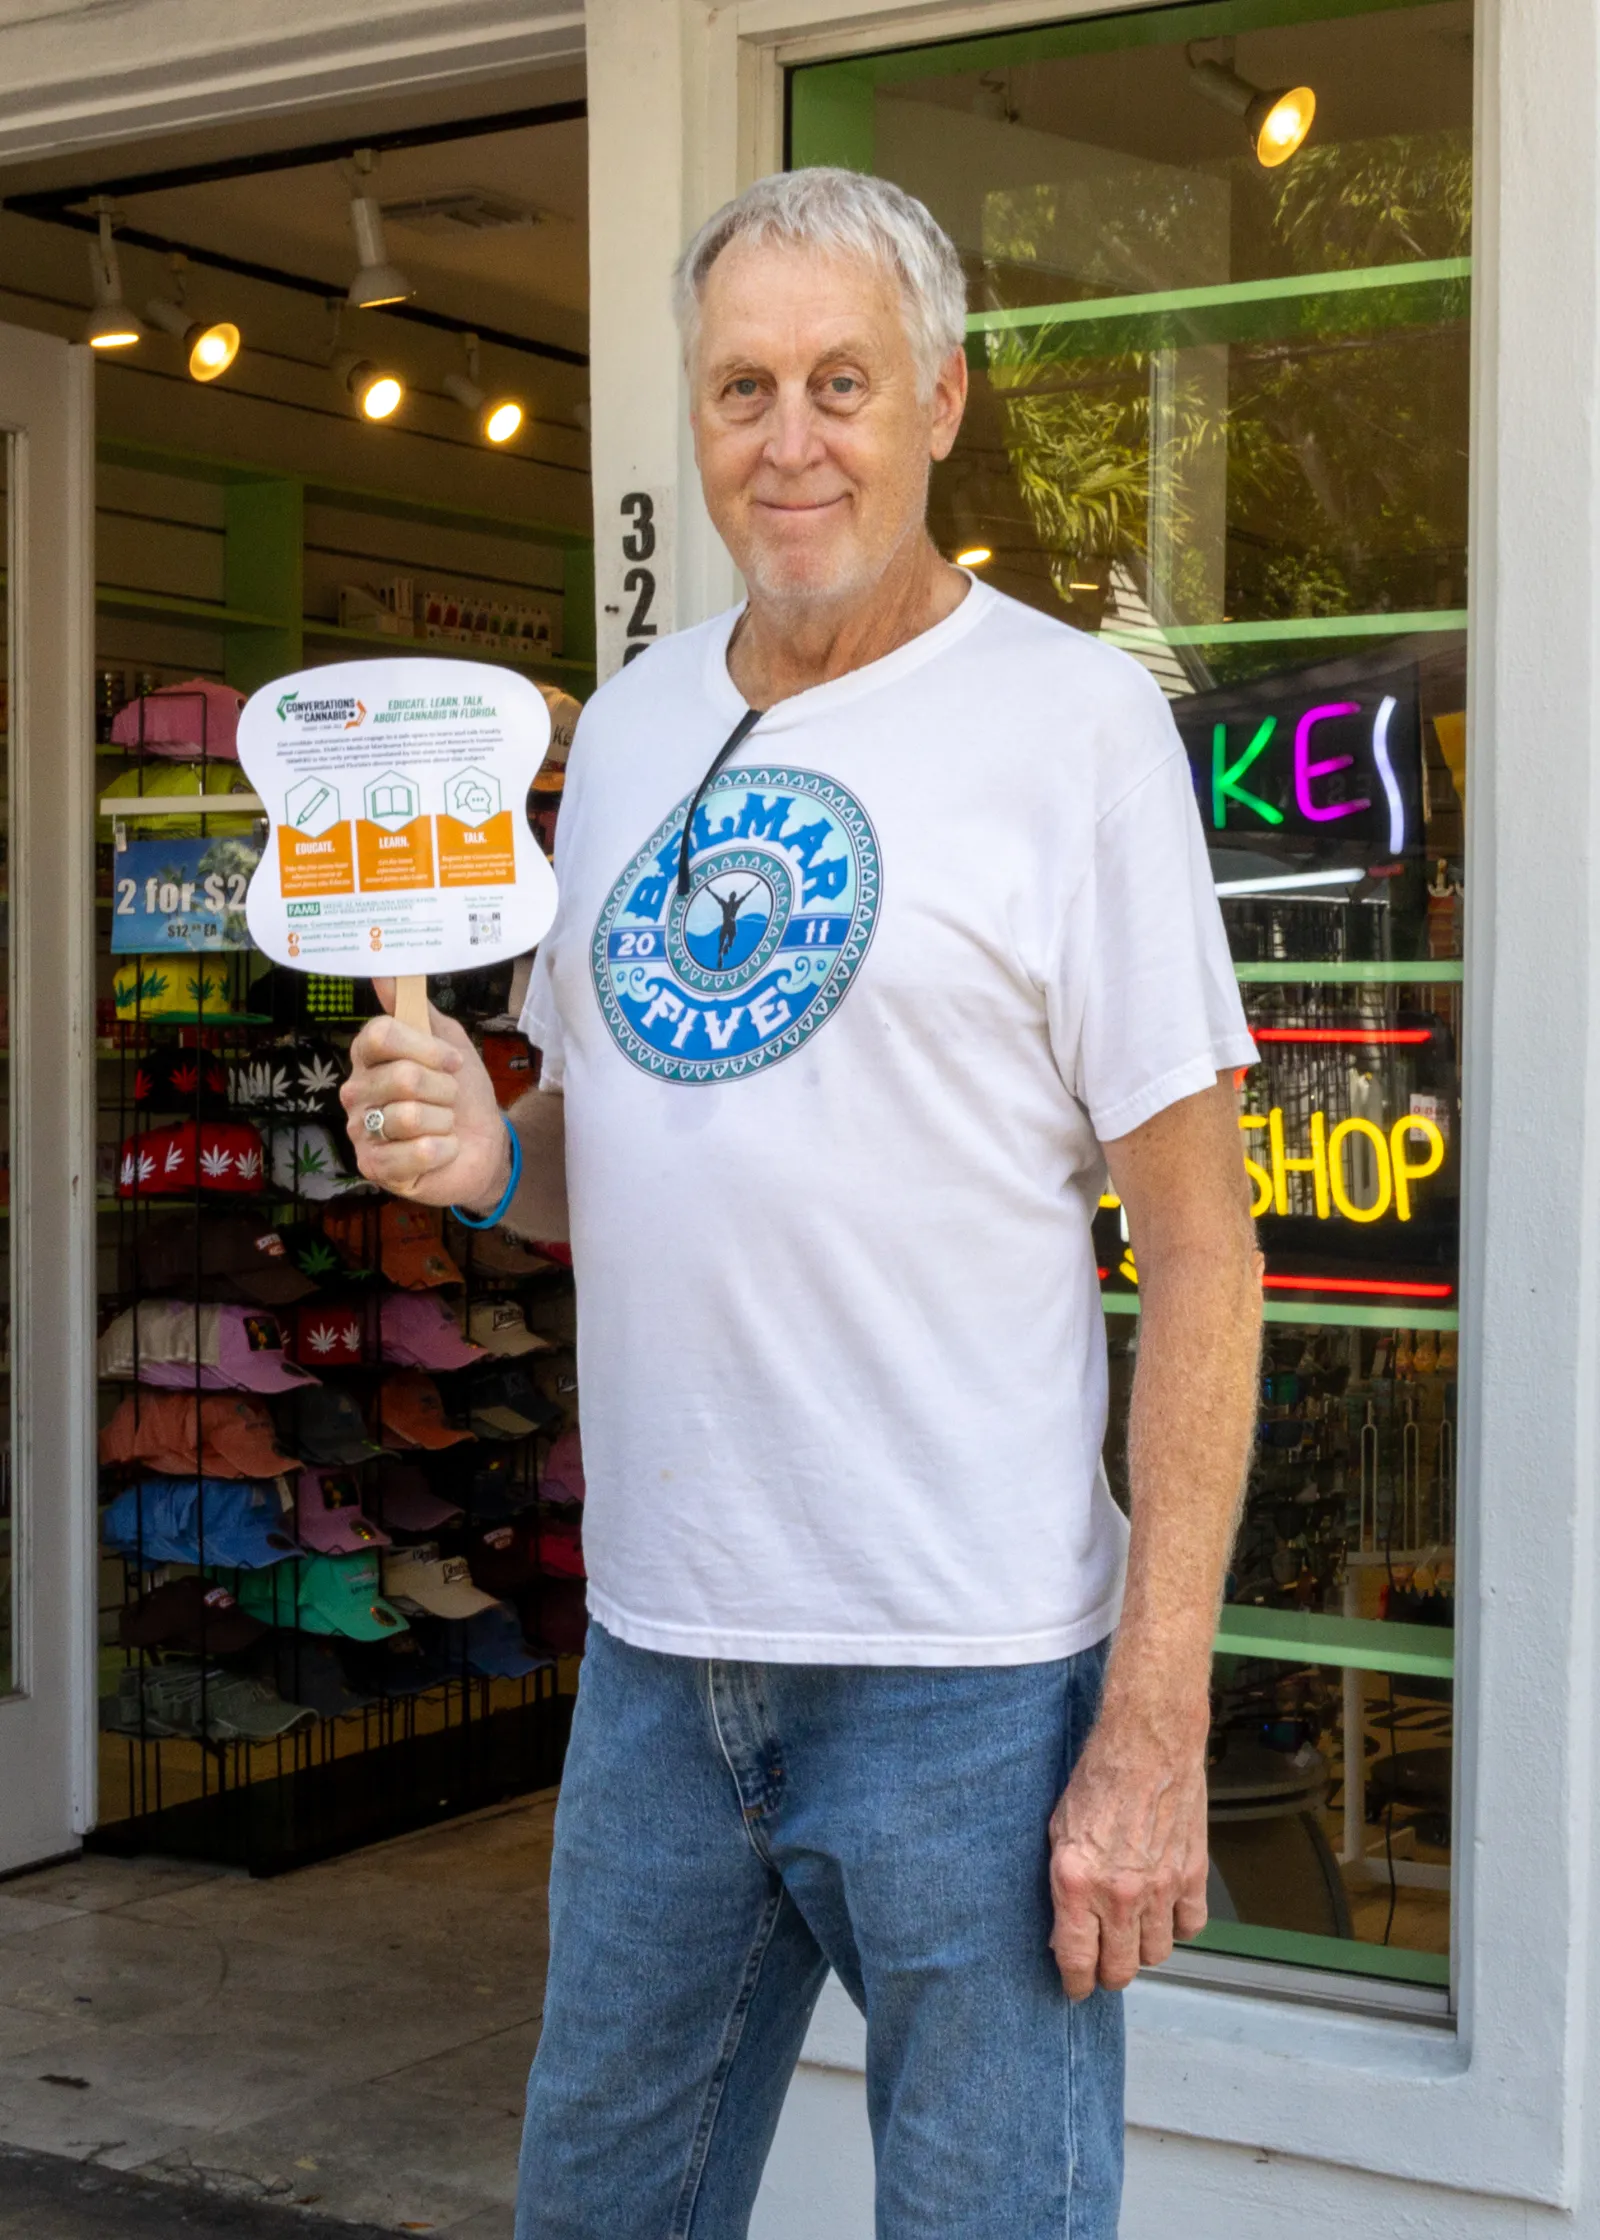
x=1128 y=1854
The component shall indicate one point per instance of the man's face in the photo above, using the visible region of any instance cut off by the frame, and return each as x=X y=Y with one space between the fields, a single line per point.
x=812 y=442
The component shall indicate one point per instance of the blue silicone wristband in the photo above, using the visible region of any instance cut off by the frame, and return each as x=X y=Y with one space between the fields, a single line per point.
x=493 y=1220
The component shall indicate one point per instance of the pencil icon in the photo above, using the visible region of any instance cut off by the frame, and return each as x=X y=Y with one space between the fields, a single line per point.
x=311 y=807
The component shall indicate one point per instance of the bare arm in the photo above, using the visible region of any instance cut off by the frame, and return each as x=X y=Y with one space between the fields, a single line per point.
x=1128 y=1839
x=443 y=1143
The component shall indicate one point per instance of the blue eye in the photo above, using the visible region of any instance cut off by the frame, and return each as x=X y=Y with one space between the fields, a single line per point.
x=842 y=383
x=745 y=386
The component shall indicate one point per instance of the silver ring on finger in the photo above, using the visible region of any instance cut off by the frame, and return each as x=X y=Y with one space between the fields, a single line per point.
x=373 y=1120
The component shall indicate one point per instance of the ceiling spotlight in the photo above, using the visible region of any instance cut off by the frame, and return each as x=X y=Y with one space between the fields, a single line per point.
x=376 y=389
x=110 y=325
x=1276 y=122
x=498 y=418
x=377 y=281
x=212 y=349
x=975 y=556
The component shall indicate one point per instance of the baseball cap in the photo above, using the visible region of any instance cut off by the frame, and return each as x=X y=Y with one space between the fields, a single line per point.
x=190 y=1613
x=495 y=1253
x=559 y=1549
x=220 y=1435
x=403 y=1665
x=209 y=1346
x=306 y=1160
x=199 y=1701
x=223 y=1256
x=499 y=1326
x=406 y=1502
x=324 y=1425
x=504 y=1403
x=413 y=1247
x=562 y=1476
x=199 y=717
x=498 y=1483
x=490 y=1643
x=508 y=1061
x=555 y=1614
x=299 y=1075
x=235 y=1523
x=329 y=1516
x=171 y=1079
x=499 y=1553
x=329 y=1337
x=420 y=1578
x=193 y=1155
x=199 y=991
x=411 y=1413
x=305 y=1669
x=327 y=1594
x=421 y=1333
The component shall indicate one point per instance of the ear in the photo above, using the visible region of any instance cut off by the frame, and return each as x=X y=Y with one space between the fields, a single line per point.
x=949 y=404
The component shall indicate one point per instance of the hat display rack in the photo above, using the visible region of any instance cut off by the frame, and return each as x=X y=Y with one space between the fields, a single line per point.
x=334 y=1600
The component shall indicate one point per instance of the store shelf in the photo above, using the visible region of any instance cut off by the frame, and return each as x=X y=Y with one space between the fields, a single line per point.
x=1356 y=1644
x=442 y=649
x=1319 y=1314
x=1290 y=629
x=161 y=606
x=1367 y=296
x=1440 y=972
x=1349 y=1956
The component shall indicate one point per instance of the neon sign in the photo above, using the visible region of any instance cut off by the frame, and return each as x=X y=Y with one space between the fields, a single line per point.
x=1331 y=754
x=1394 y=1168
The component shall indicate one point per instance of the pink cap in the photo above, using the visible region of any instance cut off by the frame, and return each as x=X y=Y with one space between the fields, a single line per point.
x=420 y=1332
x=182 y=719
x=329 y=1516
x=250 y=1351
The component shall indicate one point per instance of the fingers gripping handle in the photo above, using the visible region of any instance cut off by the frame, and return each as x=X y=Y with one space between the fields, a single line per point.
x=411 y=1009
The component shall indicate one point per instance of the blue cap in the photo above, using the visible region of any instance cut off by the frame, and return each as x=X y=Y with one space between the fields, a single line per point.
x=160 y=1520
x=495 y=1645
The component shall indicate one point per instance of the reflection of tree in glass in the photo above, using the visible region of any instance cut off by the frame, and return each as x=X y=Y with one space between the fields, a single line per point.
x=1345 y=430
x=230 y=859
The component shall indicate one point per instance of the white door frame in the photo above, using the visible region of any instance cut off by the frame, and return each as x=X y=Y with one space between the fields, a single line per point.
x=47 y=1722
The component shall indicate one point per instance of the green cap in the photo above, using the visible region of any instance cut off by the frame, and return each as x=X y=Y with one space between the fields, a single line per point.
x=328 y=1594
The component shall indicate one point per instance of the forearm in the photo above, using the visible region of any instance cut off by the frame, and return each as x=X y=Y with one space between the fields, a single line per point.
x=1190 y=1430
x=539 y=1209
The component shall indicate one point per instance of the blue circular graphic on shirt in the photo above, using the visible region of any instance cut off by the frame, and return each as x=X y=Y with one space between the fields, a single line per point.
x=744 y=968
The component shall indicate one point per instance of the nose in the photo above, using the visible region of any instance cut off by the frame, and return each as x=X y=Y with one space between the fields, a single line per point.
x=793 y=438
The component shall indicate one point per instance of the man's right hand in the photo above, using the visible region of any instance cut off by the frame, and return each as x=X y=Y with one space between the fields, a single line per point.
x=444 y=1140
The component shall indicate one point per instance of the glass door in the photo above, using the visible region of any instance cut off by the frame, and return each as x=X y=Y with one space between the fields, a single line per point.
x=46 y=1177
x=1219 y=268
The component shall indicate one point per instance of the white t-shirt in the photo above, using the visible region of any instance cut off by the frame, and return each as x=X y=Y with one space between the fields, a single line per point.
x=833 y=1132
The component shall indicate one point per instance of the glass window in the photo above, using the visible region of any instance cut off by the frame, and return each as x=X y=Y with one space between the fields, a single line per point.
x=1219 y=266
x=9 y=1582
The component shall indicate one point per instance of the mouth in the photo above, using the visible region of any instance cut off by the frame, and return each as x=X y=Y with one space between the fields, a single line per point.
x=799 y=509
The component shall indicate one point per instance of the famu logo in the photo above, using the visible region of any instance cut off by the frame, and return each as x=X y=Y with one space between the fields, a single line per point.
x=302 y=909
x=737 y=973
x=349 y=713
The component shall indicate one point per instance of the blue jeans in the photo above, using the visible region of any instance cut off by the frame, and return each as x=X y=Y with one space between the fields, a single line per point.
x=726 y=1833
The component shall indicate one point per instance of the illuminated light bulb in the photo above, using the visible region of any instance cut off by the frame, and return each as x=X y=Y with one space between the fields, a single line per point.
x=975 y=556
x=110 y=324
x=380 y=396
x=502 y=421
x=213 y=350
x=498 y=418
x=1281 y=130
x=378 y=392
x=111 y=328
x=1276 y=122
x=211 y=347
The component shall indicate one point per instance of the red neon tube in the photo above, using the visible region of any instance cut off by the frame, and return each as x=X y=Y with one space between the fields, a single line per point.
x=1386 y=1290
x=1407 y=1035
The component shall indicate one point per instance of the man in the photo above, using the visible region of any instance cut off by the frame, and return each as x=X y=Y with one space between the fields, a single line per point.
x=853 y=1562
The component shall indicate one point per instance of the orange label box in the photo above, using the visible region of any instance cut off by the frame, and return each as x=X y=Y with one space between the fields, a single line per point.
x=473 y=855
x=394 y=859
x=324 y=865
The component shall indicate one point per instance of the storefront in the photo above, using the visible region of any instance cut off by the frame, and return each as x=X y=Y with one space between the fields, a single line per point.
x=1302 y=417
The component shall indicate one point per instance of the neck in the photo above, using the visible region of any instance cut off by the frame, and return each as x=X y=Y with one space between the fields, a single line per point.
x=781 y=647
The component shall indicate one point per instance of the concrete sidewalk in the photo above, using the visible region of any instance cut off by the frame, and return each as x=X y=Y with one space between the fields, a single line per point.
x=49 y=2197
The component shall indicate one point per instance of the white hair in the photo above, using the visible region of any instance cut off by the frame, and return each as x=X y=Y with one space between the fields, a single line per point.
x=841 y=213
